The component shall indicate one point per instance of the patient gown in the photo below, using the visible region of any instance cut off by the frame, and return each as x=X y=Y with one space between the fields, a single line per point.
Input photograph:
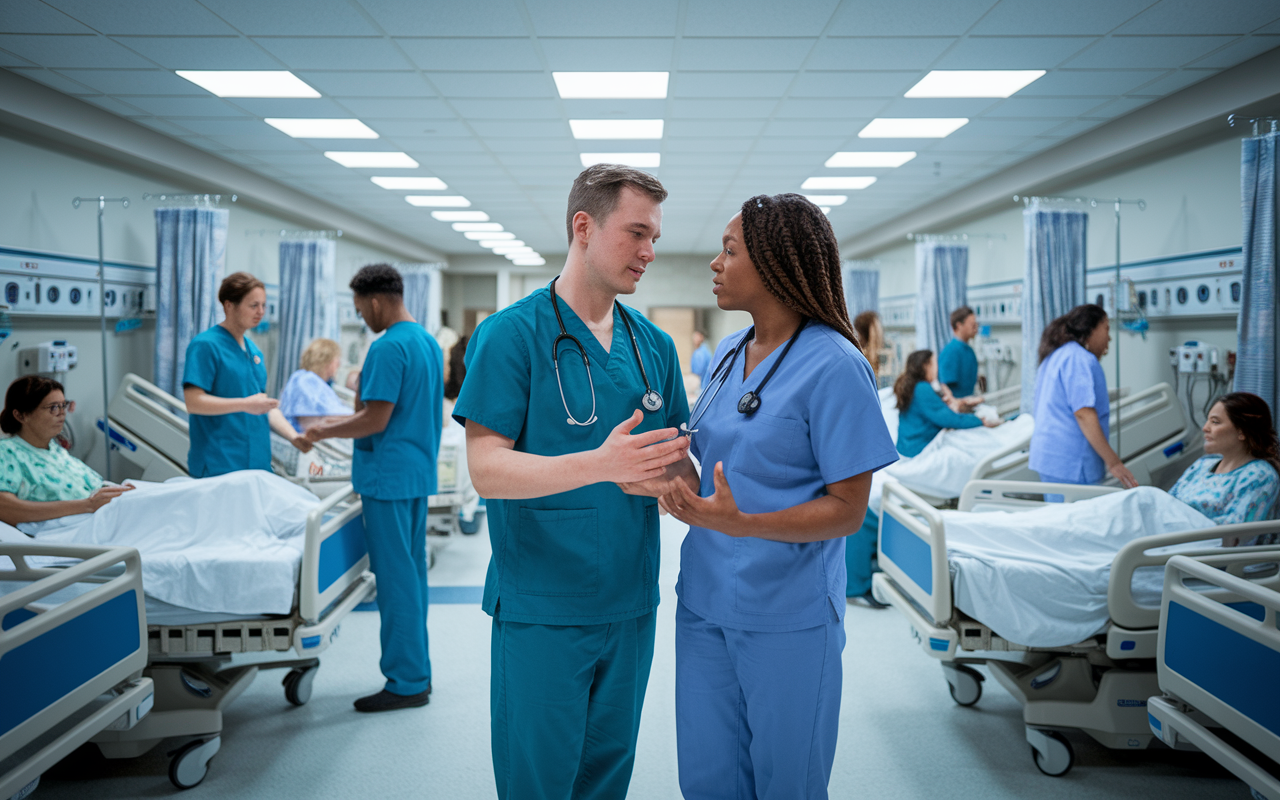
x=306 y=394
x=44 y=475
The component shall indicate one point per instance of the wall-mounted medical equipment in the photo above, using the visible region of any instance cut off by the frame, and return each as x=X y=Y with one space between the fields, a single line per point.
x=1207 y=284
x=1196 y=363
x=998 y=362
x=39 y=284
x=54 y=358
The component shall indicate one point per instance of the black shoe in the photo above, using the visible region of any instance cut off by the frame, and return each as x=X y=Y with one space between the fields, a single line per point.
x=869 y=600
x=388 y=701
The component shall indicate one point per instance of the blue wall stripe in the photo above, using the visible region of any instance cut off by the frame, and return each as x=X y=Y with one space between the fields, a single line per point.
x=340 y=552
x=907 y=550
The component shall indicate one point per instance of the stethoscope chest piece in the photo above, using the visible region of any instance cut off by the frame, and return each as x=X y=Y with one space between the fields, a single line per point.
x=749 y=404
x=652 y=401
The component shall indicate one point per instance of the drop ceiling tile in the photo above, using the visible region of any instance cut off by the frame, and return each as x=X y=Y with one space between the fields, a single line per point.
x=114 y=106
x=292 y=17
x=53 y=79
x=9 y=60
x=306 y=107
x=201 y=52
x=1147 y=51
x=473 y=18
x=1117 y=107
x=146 y=17
x=828 y=144
x=435 y=132
x=927 y=18
x=186 y=106
x=504 y=148
x=614 y=109
x=368 y=84
x=1085 y=83
x=263 y=143
x=837 y=128
x=34 y=16
x=735 y=18
x=473 y=54
x=595 y=18
x=615 y=54
x=92 y=52
x=1040 y=52
x=754 y=55
x=877 y=53
x=1073 y=127
x=165 y=127
x=853 y=84
x=1061 y=107
x=443 y=162
x=737 y=144
x=730 y=84
x=322 y=52
x=806 y=108
x=702 y=128
x=134 y=81
x=1193 y=17
x=808 y=159
x=506 y=109
x=718 y=159
x=508 y=133
x=367 y=108
x=1238 y=52
x=744 y=108
x=1173 y=82
x=937 y=107
x=990 y=143
x=1079 y=18
x=230 y=127
x=523 y=85
x=979 y=128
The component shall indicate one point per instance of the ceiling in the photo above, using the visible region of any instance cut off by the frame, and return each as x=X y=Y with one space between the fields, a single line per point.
x=761 y=93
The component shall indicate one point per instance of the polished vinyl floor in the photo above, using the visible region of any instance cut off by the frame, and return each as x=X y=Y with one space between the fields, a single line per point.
x=901 y=735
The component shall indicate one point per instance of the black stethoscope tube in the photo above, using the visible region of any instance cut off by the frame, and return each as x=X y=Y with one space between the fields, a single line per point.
x=749 y=403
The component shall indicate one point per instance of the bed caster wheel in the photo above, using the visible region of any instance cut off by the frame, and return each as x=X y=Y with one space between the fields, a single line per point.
x=297 y=684
x=191 y=763
x=1051 y=751
x=964 y=683
x=26 y=791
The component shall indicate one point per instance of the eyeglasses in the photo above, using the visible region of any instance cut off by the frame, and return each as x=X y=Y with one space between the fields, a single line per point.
x=60 y=408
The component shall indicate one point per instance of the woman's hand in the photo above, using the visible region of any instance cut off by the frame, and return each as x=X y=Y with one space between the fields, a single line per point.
x=682 y=471
x=991 y=423
x=1121 y=473
x=259 y=403
x=103 y=496
x=302 y=442
x=719 y=512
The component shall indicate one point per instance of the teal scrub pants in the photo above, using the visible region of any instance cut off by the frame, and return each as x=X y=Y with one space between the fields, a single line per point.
x=565 y=704
x=860 y=556
x=395 y=531
x=757 y=713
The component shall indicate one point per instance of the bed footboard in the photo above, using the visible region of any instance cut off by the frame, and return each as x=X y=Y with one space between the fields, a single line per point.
x=335 y=562
x=913 y=551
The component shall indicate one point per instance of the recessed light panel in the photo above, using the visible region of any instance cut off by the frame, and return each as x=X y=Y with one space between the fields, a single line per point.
x=371 y=160
x=827 y=199
x=864 y=160
x=460 y=216
x=437 y=200
x=524 y=251
x=492 y=243
x=837 y=182
x=616 y=128
x=476 y=226
x=249 y=83
x=825 y=209
x=477 y=236
x=323 y=128
x=611 y=85
x=529 y=261
x=414 y=184
x=973 y=82
x=912 y=128
x=642 y=160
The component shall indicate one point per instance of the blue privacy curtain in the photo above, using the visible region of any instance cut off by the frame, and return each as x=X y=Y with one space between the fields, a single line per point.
x=942 y=272
x=308 y=302
x=1256 y=325
x=861 y=288
x=1055 y=279
x=191 y=252
x=422 y=289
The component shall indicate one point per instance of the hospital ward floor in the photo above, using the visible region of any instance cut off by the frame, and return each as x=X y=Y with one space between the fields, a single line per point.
x=901 y=736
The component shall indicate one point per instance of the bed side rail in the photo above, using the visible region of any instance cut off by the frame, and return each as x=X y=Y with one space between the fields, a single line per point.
x=1147 y=419
x=1021 y=495
x=913 y=550
x=1006 y=462
x=153 y=415
x=1219 y=645
x=56 y=657
x=1126 y=612
x=1006 y=400
x=334 y=556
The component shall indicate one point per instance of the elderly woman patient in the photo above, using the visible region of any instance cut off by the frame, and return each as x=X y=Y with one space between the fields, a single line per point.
x=308 y=398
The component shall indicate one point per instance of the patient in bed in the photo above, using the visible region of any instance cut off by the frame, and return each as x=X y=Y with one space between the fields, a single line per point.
x=308 y=399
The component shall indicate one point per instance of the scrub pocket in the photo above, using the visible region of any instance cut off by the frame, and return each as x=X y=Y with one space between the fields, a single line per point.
x=558 y=552
x=765 y=446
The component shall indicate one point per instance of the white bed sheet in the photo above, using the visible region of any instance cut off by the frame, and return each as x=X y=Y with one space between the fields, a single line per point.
x=1039 y=577
x=230 y=544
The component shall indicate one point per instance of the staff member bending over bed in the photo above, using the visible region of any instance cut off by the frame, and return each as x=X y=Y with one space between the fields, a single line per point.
x=307 y=398
x=224 y=384
x=39 y=479
x=922 y=413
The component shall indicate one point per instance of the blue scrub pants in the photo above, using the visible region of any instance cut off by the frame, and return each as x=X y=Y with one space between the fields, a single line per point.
x=756 y=713
x=565 y=706
x=860 y=555
x=395 y=531
x=1057 y=498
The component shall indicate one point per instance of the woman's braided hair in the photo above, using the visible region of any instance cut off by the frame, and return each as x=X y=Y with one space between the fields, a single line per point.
x=795 y=252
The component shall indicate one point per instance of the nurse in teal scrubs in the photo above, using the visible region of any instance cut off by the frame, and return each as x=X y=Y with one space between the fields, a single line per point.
x=788 y=430
x=224 y=384
x=552 y=440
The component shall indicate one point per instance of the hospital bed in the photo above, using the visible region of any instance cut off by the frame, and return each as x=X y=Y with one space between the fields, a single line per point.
x=1098 y=683
x=1217 y=661
x=70 y=668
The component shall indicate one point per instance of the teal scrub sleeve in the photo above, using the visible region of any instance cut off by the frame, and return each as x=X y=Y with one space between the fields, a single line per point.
x=937 y=412
x=201 y=368
x=496 y=391
x=1076 y=380
x=846 y=427
x=673 y=390
x=949 y=367
x=382 y=374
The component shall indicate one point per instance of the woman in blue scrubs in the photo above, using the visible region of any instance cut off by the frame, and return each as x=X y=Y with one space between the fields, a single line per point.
x=922 y=413
x=788 y=430
x=224 y=384
x=1071 y=442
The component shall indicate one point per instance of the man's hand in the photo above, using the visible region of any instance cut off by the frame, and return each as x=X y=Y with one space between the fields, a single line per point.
x=312 y=435
x=624 y=458
x=302 y=442
x=259 y=403
x=682 y=471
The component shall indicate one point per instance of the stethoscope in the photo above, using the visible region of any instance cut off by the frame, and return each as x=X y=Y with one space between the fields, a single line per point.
x=651 y=400
x=749 y=403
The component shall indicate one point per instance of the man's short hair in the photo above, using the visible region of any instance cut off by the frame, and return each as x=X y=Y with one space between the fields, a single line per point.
x=960 y=315
x=597 y=187
x=377 y=279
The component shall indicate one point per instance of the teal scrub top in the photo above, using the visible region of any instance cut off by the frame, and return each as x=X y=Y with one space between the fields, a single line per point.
x=958 y=367
x=587 y=556
x=225 y=443
x=404 y=366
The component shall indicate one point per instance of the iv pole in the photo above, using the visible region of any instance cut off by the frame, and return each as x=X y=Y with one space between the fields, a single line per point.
x=102 y=318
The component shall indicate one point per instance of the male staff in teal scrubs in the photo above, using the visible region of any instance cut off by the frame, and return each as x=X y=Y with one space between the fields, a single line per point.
x=399 y=407
x=552 y=440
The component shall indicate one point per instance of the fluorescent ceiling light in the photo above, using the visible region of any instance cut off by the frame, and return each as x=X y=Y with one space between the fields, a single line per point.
x=488 y=236
x=849 y=159
x=476 y=226
x=837 y=182
x=512 y=250
x=492 y=243
x=973 y=82
x=437 y=201
x=911 y=128
x=529 y=261
x=419 y=184
x=611 y=85
x=322 y=128
x=827 y=199
x=616 y=128
x=514 y=256
x=460 y=216
x=249 y=83
x=365 y=160
x=629 y=159
x=825 y=209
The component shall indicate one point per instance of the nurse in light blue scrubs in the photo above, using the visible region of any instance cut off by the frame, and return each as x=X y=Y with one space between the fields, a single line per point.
x=1071 y=441
x=396 y=427
x=224 y=385
x=788 y=431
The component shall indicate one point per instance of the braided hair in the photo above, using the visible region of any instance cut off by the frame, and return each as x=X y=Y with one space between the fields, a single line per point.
x=794 y=250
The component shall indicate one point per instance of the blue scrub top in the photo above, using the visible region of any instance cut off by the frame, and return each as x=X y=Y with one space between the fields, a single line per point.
x=1068 y=380
x=404 y=366
x=958 y=368
x=819 y=423
x=587 y=556
x=925 y=418
x=216 y=363
x=699 y=361
x=306 y=394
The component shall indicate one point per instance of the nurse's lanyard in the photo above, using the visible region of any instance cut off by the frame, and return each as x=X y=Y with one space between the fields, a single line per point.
x=652 y=401
x=749 y=403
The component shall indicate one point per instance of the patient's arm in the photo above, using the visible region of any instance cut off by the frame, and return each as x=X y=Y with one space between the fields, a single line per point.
x=14 y=511
x=1087 y=419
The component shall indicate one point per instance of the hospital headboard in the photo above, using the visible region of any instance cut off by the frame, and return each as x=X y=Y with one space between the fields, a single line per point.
x=1147 y=418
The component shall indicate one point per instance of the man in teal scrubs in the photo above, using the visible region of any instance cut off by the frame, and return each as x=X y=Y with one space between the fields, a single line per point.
x=572 y=585
x=399 y=410
x=957 y=363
